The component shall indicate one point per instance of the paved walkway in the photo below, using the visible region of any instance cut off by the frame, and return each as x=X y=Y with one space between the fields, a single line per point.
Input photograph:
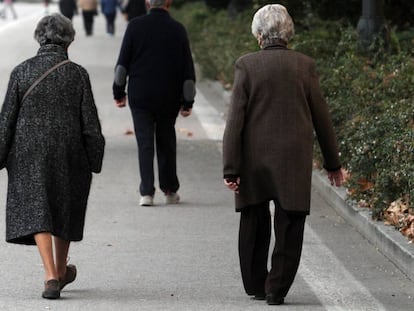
x=180 y=257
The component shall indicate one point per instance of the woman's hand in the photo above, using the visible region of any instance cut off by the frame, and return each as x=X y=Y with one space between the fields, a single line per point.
x=336 y=177
x=120 y=103
x=232 y=184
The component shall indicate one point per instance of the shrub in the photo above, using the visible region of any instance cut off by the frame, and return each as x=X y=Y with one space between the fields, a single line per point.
x=372 y=101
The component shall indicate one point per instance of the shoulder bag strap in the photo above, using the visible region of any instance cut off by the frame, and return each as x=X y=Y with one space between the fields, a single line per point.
x=43 y=76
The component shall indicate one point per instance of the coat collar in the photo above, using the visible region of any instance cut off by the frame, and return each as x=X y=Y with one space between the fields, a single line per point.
x=52 y=48
x=279 y=44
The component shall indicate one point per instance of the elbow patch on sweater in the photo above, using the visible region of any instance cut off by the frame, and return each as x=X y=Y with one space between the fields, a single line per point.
x=189 y=90
x=120 y=75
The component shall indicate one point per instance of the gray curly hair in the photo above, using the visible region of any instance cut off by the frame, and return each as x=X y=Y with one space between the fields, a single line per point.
x=271 y=23
x=55 y=29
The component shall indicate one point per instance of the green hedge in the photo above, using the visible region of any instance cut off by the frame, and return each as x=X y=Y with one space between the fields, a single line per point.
x=372 y=103
x=371 y=98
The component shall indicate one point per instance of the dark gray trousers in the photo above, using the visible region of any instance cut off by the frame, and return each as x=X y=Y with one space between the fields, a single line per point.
x=156 y=131
x=254 y=242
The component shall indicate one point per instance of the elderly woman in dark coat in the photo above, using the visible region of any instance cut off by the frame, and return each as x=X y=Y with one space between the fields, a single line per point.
x=267 y=152
x=50 y=143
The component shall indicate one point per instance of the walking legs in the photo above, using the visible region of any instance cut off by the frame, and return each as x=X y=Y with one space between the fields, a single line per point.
x=55 y=266
x=45 y=246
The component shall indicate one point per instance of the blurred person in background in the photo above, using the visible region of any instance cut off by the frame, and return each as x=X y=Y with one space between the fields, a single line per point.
x=50 y=144
x=68 y=8
x=8 y=5
x=46 y=5
x=89 y=11
x=109 y=9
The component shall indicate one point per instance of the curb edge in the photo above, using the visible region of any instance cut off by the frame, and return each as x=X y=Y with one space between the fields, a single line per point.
x=386 y=239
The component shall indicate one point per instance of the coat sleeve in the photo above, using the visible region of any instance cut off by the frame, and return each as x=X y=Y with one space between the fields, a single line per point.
x=8 y=119
x=91 y=127
x=189 y=75
x=322 y=123
x=232 y=139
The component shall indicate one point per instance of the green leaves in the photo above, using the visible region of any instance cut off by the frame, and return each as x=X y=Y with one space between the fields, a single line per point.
x=372 y=104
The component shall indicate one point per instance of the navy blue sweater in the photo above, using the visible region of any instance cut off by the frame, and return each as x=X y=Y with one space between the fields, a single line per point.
x=156 y=55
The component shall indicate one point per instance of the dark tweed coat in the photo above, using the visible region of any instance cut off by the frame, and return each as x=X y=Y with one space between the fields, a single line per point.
x=50 y=144
x=268 y=140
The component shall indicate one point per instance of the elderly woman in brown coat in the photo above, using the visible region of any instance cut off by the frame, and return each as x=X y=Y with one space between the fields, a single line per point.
x=275 y=108
x=50 y=143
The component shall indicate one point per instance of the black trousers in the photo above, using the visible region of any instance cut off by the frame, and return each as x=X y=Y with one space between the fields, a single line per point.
x=156 y=128
x=110 y=23
x=88 y=21
x=254 y=242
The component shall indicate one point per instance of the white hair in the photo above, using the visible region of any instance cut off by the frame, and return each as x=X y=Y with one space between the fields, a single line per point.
x=271 y=23
x=157 y=3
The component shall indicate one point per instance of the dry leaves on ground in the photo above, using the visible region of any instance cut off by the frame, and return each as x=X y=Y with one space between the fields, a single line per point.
x=128 y=132
x=398 y=214
x=185 y=132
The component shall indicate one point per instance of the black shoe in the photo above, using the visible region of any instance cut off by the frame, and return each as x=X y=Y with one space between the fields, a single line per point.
x=259 y=297
x=52 y=290
x=272 y=299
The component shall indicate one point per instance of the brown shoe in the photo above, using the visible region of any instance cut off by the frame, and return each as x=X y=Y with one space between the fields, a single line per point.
x=52 y=290
x=69 y=277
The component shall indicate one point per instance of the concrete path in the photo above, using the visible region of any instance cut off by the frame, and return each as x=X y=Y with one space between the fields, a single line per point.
x=181 y=257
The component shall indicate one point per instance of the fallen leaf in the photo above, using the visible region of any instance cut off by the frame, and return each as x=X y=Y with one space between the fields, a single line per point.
x=185 y=132
x=365 y=185
x=364 y=204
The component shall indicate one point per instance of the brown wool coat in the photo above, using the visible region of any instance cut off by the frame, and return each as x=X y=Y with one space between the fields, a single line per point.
x=276 y=107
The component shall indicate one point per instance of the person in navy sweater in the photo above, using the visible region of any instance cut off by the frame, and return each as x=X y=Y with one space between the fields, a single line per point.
x=109 y=8
x=155 y=58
